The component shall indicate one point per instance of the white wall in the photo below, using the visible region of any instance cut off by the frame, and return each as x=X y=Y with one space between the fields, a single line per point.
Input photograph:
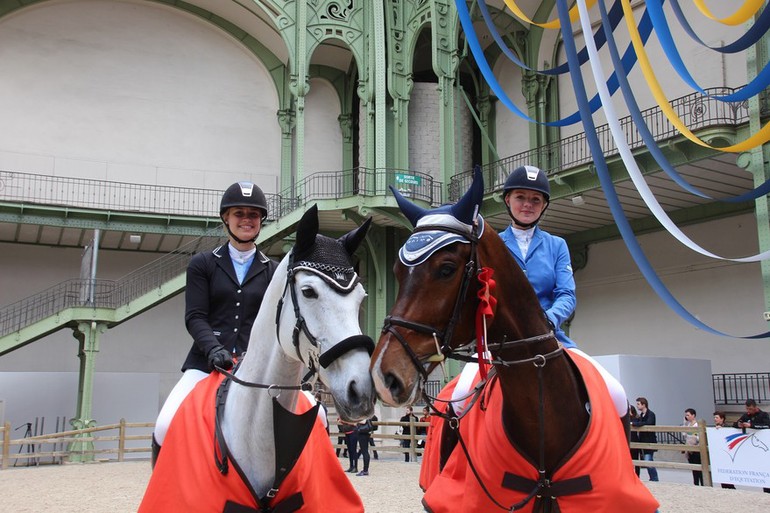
x=322 y=128
x=670 y=385
x=154 y=342
x=707 y=67
x=43 y=396
x=618 y=312
x=136 y=92
x=512 y=130
x=425 y=132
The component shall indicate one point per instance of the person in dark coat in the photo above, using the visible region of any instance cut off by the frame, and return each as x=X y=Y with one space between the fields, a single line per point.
x=223 y=294
x=753 y=418
x=633 y=437
x=646 y=418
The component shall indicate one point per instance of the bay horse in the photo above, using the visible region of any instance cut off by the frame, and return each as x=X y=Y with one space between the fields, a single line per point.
x=250 y=441
x=540 y=432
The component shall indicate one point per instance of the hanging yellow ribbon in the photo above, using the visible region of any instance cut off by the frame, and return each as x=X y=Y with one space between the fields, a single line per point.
x=755 y=140
x=742 y=15
x=574 y=14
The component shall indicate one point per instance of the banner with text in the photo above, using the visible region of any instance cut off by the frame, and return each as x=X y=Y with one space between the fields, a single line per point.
x=738 y=457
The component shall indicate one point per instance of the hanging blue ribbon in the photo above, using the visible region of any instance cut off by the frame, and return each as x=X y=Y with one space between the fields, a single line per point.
x=629 y=59
x=616 y=15
x=609 y=188
x=649 y=140
x=750 y=38
x=753 y=88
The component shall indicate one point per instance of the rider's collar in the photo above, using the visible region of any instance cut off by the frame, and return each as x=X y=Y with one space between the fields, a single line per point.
x=422 y=244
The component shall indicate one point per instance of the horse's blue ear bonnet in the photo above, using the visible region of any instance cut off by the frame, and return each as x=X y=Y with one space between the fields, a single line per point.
x=458 y=217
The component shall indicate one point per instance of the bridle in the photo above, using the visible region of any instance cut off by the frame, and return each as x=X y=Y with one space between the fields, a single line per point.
x=323 y=359
x=221 y=453
x=465 y=353
x=300 y=326
x=441 y=337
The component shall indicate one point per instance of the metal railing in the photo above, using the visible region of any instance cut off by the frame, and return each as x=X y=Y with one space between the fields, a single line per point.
x=735 y=388
x=695 y=110
x=362 y=181
x=101 y=293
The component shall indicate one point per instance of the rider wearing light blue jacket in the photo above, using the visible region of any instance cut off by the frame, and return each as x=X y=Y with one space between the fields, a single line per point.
x=543 y=257
x=547 y=266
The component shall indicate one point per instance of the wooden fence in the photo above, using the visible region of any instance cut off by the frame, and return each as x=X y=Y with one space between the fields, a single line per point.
x=112 y=439
x=677 y=448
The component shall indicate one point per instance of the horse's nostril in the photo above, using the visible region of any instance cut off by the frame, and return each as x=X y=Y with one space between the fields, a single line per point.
x=394 y=385
x=353 y=394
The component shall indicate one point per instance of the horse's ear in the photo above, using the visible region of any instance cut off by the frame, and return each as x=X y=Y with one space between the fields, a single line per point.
x=412 y=212
x=471 y=201
x=307 y=229
x=351 y=240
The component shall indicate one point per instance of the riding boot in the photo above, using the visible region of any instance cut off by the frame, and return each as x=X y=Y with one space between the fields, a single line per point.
x=155 y=451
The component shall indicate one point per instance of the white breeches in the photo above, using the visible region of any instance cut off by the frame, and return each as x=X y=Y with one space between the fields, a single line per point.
x=189 y=379
x=617 y=392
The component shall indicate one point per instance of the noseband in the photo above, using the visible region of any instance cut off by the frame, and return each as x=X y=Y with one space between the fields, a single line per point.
x=441 y=337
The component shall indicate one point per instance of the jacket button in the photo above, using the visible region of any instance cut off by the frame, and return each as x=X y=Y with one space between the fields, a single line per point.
x=236 y=316
x=238 y=303
x=239 y=291
x=236 y=330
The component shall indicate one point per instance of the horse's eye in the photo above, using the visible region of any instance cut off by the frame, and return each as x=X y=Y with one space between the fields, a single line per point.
x=309 y=292
x=447 y=270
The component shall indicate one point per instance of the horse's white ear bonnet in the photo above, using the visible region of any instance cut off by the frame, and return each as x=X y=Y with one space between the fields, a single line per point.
x=422 y=244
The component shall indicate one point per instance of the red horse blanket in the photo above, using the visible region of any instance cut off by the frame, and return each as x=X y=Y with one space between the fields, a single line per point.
x=603 y=456
x=186 y=478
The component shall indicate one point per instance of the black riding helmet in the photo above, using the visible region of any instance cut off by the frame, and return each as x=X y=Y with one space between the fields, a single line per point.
x=243 y=194
x=531 y=178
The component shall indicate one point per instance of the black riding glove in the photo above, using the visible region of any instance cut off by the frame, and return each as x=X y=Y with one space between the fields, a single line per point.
x=220 y=357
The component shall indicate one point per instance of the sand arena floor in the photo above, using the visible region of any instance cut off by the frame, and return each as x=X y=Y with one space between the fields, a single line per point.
x=391 y=487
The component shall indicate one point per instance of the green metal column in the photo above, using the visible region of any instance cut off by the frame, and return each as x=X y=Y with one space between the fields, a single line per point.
x=299 y=87
x=87 y=334
x=756 y=162
x=286 y=121
x=379 y=279
x=378 y=66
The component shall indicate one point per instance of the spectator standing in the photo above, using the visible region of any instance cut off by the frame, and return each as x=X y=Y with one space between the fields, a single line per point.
x=753 y=418
x=351 y=441
x=693 y=439
x=363 y=435
x=375 y=427
x=646 y=418
x=636 y=454
x=720 y=418
x=423 y=430
x=406 y=430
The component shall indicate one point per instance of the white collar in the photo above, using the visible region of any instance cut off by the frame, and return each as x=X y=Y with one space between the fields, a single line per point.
x=241 y=257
